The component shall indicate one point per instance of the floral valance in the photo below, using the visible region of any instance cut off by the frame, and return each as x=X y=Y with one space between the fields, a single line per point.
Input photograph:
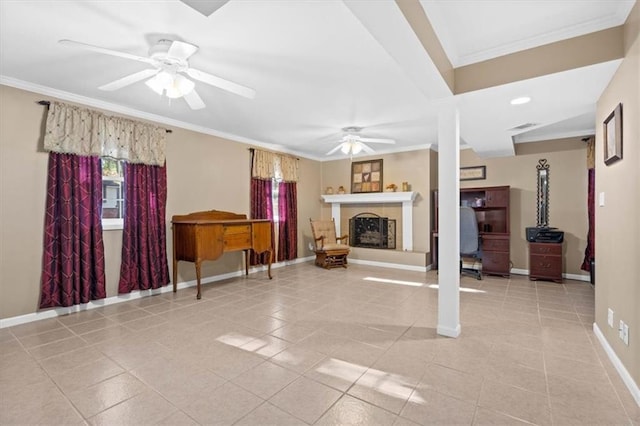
x=269 y=165
x=591 y=153
x=81 y=131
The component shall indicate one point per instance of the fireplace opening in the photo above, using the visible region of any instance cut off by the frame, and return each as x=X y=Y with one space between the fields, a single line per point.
x=372 y=231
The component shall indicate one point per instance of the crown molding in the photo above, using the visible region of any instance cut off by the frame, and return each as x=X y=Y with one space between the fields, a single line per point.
x=523 y=138
x=166 y=121
x=131 y=112
x=457 y=59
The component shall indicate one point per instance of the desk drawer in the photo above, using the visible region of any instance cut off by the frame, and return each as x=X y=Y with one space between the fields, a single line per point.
x=545 y=249
x=491 y=244
x=495 y=263
x=546 y=266
x=237 y=242
x=237 y=229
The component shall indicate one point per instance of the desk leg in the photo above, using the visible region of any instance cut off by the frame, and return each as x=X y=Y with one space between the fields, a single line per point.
x=269 y=267
x=246 y=261
x=199 y=295
x=175 y=275
x=175 y=261
x=434 y=251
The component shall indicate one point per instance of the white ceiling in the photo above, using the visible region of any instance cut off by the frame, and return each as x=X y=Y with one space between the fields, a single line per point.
x=317 y=66
x=472 y=31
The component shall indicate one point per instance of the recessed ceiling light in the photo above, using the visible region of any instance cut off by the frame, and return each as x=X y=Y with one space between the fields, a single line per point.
x=521 y=100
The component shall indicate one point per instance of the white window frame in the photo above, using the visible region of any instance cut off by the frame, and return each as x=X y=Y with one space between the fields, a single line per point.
x=275 y=200
x=112 y=224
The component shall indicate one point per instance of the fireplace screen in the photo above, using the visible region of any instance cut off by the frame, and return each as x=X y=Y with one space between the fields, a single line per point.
x=372 y=231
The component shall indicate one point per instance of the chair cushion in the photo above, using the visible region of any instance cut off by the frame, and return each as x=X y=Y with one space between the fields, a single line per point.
x=331 y=247
x=326 y=229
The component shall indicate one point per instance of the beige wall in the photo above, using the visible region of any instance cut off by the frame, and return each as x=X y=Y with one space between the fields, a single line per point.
x=587 y=49
x=203 y=172
x=412 y=167
x=568 y=194
x=433 y=179
x=309 y=203
x=23 y=177
x=618 y=221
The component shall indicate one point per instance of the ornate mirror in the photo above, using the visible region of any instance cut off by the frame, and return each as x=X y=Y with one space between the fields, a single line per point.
x=543 y=193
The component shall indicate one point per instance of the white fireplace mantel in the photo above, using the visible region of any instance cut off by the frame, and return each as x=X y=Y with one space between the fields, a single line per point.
x=404 y=198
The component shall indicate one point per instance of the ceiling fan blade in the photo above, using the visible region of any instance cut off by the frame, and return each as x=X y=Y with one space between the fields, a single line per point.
x=181 y=50
x=376 y=140
x=130 y=79
x=105 y=51
x=227 y=85
x=366 y=148
x=194 y=100
x=334 y=149
x=205 y=7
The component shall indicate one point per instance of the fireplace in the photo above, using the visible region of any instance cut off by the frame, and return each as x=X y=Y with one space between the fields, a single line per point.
x=372 y=231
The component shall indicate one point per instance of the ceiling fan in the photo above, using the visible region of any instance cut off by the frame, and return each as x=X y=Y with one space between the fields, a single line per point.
x=168 y=60
x=353 y=143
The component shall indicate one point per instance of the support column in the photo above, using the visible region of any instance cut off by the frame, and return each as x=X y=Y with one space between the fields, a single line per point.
x=335 y=214
x=407 y=225
x=448 y=221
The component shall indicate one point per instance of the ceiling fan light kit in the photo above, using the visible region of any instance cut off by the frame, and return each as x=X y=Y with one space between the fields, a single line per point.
x=173 y=86
x=353 y=148
x=352 y=143
x=168 y=59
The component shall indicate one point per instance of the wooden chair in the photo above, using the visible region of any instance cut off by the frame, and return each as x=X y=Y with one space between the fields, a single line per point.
x=330 y=252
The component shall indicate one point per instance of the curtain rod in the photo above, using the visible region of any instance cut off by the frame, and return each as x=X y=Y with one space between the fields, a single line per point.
x=47 y=103
x=275 y=152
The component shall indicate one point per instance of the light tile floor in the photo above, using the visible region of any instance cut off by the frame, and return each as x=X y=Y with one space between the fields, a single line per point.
x=311 y=346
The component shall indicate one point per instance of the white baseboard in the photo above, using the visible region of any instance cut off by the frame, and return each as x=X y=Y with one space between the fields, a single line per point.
x=391 y=265
x=576 y=277
x=138 y=294
x=622 y=371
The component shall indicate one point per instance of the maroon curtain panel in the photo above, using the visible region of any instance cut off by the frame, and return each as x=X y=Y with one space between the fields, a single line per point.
x=73 y=258
x=261 y=208
x=590 y=250
x=144 y=240
x=288 y=221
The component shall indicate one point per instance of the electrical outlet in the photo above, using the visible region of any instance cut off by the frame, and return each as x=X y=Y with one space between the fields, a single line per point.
x=621 y=330
x=610 y=317
x=625 y=334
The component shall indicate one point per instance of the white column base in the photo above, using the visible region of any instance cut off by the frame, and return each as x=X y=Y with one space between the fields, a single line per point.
x=448 y=331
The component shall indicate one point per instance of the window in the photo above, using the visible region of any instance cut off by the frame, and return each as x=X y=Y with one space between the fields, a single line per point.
x=112 y=194
x=274 y=200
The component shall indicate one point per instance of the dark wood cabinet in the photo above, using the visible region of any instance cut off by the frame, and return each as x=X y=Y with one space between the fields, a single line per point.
x=497 y=197
x=491 y=205
x=545 y=261
x=496 y=254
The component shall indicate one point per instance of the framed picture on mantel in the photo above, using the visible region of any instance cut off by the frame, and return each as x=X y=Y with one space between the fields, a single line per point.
x=366 y=176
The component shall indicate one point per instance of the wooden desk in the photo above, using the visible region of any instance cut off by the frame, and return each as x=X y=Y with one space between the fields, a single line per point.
x=491 y=205
x=207 y=235
x=495 y=253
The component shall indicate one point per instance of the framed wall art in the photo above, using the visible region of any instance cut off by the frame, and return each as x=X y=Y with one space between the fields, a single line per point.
x=366 y=176
x=613 y=136
x=473 y=173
